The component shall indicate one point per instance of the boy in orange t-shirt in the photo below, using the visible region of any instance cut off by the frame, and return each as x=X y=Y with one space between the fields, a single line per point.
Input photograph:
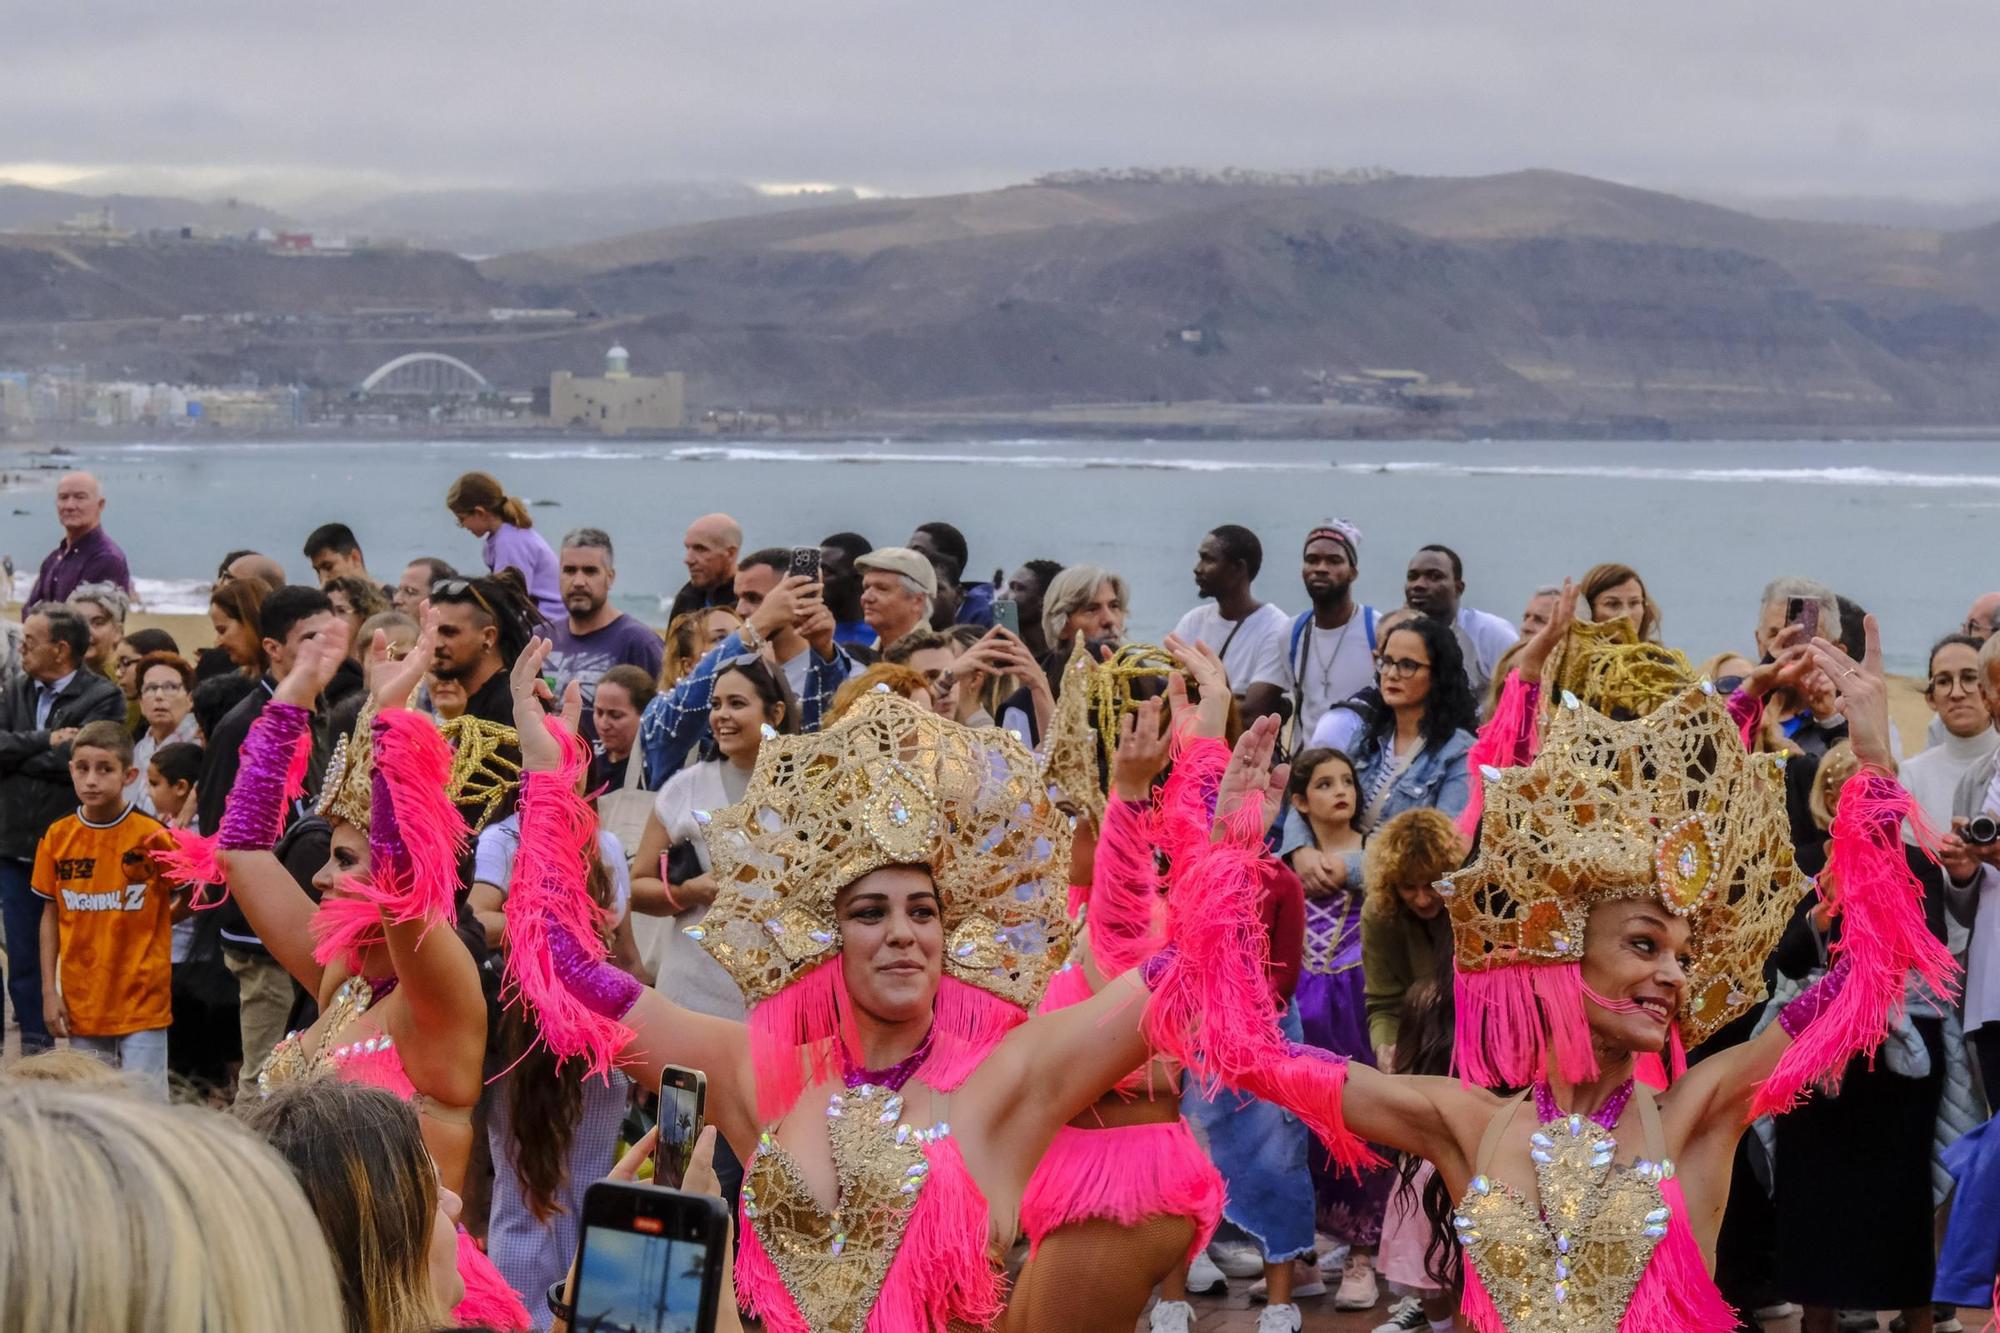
x=107 y=971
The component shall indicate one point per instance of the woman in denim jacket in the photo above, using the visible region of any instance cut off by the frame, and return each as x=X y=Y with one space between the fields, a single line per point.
x=1412 y=754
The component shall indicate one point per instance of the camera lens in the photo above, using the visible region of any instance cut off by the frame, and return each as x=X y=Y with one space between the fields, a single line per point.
x=1982 y=829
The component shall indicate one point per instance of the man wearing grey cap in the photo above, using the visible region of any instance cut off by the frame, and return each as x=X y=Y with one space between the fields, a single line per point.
x=1331 y=651
x=898 y=587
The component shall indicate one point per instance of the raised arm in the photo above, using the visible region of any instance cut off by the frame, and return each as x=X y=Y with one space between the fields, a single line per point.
x=270 y=773
x=587 y=1008
x=1884 y=937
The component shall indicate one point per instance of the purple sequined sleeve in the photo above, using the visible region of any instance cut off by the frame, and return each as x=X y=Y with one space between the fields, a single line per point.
x=255 y=814
x=386 y=848
x=599 y=986
x=1795 y=1017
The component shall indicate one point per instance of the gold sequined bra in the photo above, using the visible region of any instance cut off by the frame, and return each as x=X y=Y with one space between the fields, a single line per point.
x=834 y=1263
x=1571 y=1264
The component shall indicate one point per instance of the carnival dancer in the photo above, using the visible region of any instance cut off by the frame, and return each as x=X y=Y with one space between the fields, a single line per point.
x=1630 y=881
x=399 y=995
x=892 y=901
x=1125 y=1197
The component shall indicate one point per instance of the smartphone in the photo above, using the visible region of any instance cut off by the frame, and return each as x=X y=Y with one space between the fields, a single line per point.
x=1803 y=612
x=805 y=562
x=649 y=1259
x=1007 y=615
x=683 y=1097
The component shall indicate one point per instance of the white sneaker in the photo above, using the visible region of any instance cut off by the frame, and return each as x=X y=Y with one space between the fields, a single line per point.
x=1204 y=1278
x=1280 y=1319
x=1405 y=1316
x=1333 y=1261
x=1236 y=1258
x=1260 y=1290
x=1172 y=1317
x=1358 y=1288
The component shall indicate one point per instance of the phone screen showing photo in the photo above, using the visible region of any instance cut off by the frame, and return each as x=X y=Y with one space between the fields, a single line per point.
x=640 y=1281
x=680 y=1126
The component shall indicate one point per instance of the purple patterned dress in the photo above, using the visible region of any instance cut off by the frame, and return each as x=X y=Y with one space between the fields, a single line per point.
x=1334 y=1014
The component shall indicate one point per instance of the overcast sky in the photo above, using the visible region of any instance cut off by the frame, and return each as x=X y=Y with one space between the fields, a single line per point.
x=1763 y=96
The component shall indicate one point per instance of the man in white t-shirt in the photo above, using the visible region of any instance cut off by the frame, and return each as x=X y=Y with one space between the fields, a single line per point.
x=1248 y=635
x=1435 y=585
x=1330 y=650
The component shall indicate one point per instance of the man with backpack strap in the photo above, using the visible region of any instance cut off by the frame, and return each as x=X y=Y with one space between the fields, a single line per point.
x=1332 y=646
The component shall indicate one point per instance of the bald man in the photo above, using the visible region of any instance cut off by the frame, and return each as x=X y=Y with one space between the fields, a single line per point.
x=1984 y=617
x=255 y=565
x=85 y=554
x=710 y=547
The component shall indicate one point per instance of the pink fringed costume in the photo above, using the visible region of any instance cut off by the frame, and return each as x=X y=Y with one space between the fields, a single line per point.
x=1132 y=1156
x=393 y=780
x=910 y=1243
x=1665 y=803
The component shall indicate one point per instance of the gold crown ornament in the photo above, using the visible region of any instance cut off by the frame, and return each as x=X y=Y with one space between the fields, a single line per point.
x=482 y=772
x=891 y=783
x=1666 y=806
x=1082 y=739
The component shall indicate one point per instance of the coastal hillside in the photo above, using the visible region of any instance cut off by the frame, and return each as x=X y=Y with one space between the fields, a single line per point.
x=1528 y=300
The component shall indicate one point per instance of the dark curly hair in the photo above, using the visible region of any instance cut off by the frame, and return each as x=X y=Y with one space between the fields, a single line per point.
x=1450 y=706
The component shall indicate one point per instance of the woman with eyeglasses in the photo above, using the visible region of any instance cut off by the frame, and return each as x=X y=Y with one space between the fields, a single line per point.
x=671 y=885
x=166 y=704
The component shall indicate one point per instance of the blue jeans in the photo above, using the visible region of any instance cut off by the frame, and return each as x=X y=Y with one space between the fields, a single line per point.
x=1261 y=1150
x=21 y=914
x=142 y=1055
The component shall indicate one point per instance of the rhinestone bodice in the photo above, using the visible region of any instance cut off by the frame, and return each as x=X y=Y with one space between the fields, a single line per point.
x=289 y=1061
x=834 y=1262
x=1571 y=1264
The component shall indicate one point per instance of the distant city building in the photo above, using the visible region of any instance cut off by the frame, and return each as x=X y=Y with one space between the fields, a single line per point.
x=619 y=401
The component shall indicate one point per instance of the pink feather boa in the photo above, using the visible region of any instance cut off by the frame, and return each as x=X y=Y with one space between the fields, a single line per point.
x=1509 y=739
x=942 y=1275
x=413 y=767
x=550 y=895
x=1211 y=1002
x=1883 y=939
x=1125 y=903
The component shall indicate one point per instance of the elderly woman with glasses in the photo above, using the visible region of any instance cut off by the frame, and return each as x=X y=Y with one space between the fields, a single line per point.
x=166 y=704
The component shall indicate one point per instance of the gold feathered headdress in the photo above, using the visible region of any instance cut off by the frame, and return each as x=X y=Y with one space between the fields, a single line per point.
x=891 y=783
x=1668 y=805
x=1083 y=733
x=482 y=770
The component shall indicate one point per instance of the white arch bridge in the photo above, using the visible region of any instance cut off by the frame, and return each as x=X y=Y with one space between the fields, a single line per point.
x=429 y=373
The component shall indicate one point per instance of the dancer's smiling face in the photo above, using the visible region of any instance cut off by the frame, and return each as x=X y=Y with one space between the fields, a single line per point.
x=1634 y=954
x=891 y=942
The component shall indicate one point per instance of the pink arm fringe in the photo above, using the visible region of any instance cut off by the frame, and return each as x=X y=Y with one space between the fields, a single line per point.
x=1125 y=903
x=1883 y=939
x=550 y=895
x=1509 y=740
x=416 y=835
x=278 y=741
x=1211 y=1002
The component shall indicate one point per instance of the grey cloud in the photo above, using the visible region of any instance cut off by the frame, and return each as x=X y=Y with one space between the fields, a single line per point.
x=1841 y=95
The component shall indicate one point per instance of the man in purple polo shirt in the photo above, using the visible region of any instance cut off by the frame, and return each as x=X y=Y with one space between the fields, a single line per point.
x=85 y=554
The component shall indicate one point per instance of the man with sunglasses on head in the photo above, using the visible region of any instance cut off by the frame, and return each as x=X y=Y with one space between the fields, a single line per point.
x=482 y=625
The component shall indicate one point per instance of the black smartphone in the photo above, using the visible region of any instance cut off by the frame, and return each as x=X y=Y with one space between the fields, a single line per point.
x=805 y=562
x=649 y=1260
x=1803 y=612
x=683 y=1097
x=1007 y=615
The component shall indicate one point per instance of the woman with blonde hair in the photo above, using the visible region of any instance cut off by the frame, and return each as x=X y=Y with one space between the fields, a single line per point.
x=359 y=1154
x=127 y=1217
x=690 y=637
x=483 y=508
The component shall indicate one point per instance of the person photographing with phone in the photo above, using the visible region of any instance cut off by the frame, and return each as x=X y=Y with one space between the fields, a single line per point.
x=787 y=623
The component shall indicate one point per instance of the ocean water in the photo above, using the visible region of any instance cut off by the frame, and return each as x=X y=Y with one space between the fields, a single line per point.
x=1904 y=528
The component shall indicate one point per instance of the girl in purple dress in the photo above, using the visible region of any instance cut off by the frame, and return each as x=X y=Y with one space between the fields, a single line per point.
x=1332 y=1007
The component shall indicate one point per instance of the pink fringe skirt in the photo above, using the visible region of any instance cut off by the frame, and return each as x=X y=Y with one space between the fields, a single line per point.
x=1123 y=1175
